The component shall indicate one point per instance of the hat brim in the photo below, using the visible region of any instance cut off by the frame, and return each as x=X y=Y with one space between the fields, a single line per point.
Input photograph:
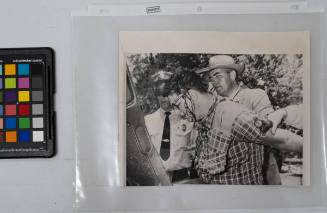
x=161 y=76
x=239 y=68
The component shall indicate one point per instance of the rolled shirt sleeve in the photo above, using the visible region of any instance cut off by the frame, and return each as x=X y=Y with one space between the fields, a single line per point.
x=240 y=122
x=247 y=127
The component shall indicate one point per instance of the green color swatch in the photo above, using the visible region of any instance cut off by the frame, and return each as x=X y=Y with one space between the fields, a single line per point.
x=24 y=123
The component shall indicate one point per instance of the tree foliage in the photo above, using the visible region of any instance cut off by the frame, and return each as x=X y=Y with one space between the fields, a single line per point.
x=280 y=75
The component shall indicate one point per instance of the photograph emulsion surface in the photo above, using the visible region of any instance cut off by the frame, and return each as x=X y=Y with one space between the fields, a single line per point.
x=206 y=118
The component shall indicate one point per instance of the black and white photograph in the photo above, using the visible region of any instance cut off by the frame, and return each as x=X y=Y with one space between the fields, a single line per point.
x=215 y=118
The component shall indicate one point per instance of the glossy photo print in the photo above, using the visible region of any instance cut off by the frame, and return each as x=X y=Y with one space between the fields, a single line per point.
x=231 y=109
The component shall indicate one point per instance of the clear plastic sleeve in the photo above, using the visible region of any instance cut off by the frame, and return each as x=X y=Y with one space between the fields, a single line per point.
x=96 y=87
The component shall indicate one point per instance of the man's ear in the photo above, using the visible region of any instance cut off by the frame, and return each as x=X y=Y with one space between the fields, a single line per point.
x=232 y=75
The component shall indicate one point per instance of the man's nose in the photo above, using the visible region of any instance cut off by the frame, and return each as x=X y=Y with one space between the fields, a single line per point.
x=212 y=79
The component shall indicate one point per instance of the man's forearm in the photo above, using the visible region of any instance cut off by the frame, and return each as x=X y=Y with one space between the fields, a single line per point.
x=284 y=140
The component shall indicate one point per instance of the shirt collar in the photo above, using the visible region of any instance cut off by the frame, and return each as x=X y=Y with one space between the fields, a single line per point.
x=162 y=112
x=234 y=94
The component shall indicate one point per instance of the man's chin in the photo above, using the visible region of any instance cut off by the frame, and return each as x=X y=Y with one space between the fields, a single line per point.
x=166 y=107
x=219 y=90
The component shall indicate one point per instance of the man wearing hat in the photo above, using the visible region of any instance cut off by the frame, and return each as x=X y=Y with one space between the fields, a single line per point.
x=169 y=133
x=224 y=76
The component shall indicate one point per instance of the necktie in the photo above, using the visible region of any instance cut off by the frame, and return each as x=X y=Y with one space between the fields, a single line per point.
x=165 y=142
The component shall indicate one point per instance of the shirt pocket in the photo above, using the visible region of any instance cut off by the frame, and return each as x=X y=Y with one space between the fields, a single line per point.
x=218 y=145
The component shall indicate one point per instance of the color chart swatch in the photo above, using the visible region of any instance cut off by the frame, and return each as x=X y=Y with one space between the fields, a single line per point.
x=21 y=103
x=26 y=103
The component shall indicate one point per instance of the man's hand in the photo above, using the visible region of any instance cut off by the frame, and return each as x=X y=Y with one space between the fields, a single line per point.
x=277 y=117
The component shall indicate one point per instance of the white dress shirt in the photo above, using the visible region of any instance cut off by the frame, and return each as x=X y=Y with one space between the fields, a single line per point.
x=181 y=146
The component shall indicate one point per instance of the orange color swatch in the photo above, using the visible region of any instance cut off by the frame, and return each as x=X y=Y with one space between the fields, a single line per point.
x=11 y=136
x=10 y=69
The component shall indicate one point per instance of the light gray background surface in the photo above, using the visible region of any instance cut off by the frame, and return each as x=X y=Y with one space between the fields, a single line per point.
x=47 y=185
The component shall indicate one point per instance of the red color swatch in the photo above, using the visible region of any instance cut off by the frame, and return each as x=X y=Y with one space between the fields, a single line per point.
x=24 y=109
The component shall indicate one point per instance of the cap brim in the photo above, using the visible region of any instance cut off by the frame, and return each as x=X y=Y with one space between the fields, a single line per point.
x=161 y=76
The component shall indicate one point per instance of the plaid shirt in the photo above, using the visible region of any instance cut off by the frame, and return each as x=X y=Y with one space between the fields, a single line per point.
x=234 y=158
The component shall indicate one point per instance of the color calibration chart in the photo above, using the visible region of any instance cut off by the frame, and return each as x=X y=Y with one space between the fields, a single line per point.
x=26 y=111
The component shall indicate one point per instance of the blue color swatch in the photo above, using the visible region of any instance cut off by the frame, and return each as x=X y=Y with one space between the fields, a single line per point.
x=10 y=123
x=1 y=110
x=23 y=69
x=24 y=136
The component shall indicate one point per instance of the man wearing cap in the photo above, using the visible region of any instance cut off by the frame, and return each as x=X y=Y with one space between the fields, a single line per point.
x=224 y=76
x=169 y=133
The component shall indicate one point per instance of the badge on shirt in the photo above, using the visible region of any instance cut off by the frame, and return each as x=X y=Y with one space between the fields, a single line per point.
x=183 y=127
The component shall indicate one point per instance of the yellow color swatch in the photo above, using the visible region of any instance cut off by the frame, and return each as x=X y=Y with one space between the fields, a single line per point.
x=10 y=69
x=23 y=96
